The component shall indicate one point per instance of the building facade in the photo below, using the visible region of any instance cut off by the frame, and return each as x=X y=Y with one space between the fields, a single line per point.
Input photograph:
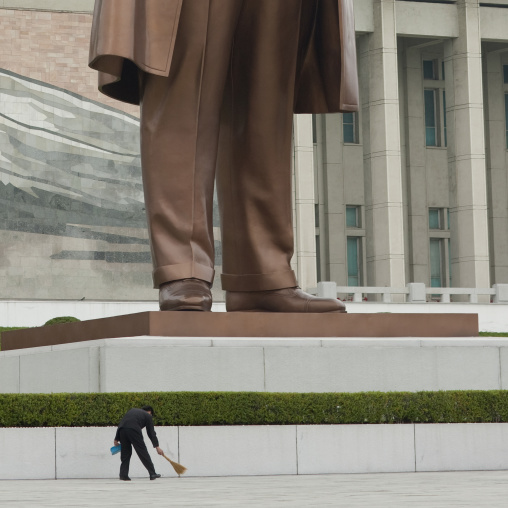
x=416 y=188
x=412 y=188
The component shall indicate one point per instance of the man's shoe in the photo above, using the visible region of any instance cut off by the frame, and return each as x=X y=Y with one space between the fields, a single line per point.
x=125 y=478
x=154 y=476
x=280 y=300
x=185 y=294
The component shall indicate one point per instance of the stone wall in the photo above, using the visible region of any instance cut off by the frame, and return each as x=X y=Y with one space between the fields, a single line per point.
x=83 y=452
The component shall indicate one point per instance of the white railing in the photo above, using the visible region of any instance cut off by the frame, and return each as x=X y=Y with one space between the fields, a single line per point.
x=414 y=292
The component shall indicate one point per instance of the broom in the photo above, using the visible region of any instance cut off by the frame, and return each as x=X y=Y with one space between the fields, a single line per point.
x=179 y=469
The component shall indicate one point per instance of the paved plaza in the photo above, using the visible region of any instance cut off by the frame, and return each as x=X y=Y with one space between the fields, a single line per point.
x=436 y=490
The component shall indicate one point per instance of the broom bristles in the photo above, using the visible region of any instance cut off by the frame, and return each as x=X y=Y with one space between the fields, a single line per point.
x=179 y=469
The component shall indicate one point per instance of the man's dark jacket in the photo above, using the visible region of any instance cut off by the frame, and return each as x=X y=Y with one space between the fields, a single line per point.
x=138 y=419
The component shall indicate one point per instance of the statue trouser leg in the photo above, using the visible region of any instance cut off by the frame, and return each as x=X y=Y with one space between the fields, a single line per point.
x=180 y=117
x=254 y=166
x=254 y=163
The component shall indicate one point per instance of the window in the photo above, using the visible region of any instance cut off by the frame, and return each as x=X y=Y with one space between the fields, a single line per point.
x=355 y=236
x=318 y=241
x=430 y=118
x=444 y=119
x=506 y=116
x=349 y=123
x=434 y=218
x=436 y=262
x=353 y=260
x=429 y=69
x=439 y=247
x=449 y=261
x=352 y=216
x=505 y=81
x=434 y=98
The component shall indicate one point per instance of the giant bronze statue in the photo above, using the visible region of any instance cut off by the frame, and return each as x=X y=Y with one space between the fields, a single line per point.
x=218 y=82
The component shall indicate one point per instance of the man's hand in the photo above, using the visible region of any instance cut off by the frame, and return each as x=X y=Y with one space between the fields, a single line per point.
x=116 y=442
x=159 y=450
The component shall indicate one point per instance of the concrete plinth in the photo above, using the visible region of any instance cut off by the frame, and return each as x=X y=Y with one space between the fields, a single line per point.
x=258 y=364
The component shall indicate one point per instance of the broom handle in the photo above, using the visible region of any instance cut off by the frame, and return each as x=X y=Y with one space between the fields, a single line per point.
x=169 y=460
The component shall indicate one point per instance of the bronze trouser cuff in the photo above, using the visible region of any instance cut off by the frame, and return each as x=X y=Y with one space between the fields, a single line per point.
x=259 y=281
x=169 y=273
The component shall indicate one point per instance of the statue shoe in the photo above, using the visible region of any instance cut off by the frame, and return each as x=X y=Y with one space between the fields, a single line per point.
x=185 y=294
x=280 y=300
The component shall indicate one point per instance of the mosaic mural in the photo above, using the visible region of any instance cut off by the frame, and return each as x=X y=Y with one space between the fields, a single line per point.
x=72 y=220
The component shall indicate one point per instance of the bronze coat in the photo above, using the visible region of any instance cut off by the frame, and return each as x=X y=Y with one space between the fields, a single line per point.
x=142 y=33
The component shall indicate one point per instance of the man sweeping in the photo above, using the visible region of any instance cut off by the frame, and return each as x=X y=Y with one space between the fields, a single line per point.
x=129 y=435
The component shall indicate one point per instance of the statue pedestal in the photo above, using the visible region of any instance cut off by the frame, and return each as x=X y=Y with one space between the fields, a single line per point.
x=245 y=324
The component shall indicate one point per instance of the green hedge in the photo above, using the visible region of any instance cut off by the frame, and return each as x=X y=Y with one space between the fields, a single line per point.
x=61 y=319
x=251 y=408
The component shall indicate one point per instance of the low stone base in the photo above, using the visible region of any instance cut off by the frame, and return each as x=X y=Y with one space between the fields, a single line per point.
x=55 y=453
x=246 y=324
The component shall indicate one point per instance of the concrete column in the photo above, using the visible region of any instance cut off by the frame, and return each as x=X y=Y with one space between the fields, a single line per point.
x=497 y=178
x=322 y=259
x=466 y=151
x=333 y=189
x=305 y=233
x=382 y=155
x=418 y=217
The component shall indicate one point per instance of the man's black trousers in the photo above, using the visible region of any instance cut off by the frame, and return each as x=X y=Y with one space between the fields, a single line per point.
x=133 y=438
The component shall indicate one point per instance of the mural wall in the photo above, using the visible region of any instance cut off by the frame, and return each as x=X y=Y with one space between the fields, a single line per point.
x=72 y=220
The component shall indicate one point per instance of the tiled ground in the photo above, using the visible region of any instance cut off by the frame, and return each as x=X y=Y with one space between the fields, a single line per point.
x=436 y=490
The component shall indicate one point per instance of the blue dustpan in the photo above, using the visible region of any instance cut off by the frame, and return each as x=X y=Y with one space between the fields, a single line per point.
x=115 y=449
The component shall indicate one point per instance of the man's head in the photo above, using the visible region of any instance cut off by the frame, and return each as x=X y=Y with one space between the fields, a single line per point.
x=148 y=409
